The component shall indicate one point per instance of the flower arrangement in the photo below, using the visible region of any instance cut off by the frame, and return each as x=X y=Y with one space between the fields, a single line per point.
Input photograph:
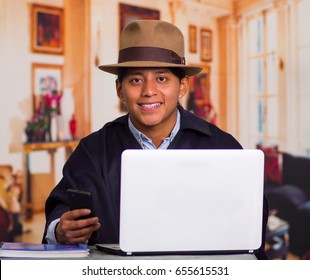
x=38 y=129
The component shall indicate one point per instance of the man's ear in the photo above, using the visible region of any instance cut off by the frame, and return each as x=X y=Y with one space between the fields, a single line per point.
x=184 y=87
x=119 y=90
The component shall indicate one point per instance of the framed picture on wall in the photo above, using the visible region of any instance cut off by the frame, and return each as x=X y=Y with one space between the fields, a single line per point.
x=192 y=38
x=46 y=80
x=47 y=29
x=199 y=97
x=205 y=45
x=129 y=13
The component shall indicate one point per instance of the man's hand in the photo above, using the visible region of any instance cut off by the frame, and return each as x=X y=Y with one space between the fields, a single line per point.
x=72 y=231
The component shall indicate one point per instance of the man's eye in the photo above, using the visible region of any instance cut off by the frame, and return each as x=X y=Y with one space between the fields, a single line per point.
x=162 y=79
x=136 y=81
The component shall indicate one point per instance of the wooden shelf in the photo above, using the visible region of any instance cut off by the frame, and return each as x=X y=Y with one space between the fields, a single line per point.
x=41 y=146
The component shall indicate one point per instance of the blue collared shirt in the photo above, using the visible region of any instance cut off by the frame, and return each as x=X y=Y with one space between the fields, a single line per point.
x=146 y=143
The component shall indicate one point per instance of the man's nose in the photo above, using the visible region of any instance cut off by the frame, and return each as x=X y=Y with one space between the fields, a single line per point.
x=149 y=88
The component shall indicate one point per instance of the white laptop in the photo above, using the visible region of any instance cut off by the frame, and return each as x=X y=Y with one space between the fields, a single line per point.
x=190 y=202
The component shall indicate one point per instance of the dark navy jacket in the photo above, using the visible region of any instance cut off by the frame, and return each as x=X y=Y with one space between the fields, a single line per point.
x=95 y=166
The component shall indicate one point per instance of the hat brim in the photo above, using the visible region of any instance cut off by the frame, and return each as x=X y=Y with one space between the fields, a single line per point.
x=114 y=68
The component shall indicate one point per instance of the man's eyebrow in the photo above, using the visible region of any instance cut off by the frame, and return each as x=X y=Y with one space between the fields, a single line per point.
x=162 y=71
x=137 y=72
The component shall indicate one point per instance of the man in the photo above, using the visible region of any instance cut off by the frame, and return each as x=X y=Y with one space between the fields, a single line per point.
x=152 y=77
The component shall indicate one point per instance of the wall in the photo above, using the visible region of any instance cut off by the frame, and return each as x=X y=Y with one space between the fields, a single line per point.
x=17 y=57
x=16 y=97
x=15 y=69
x=77 y=64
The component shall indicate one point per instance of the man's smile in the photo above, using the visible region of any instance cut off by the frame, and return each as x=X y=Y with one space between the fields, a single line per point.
x=150 y=106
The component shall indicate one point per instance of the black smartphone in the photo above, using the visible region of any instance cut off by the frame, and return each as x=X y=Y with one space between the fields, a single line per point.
x=81 y=199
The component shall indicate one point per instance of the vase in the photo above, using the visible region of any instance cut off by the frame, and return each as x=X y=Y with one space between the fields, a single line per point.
x=61 y=128
x=67 y=110
x=73 y=126
x=53 y=128
x=39 y=135
x=29 y=133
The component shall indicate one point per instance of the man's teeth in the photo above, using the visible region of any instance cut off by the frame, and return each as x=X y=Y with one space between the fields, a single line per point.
x=151 y=105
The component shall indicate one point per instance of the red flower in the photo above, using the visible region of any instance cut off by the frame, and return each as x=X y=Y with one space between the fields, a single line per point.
x=48 y=100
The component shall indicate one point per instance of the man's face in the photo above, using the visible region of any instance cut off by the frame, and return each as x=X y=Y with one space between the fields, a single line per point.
x=151 y=96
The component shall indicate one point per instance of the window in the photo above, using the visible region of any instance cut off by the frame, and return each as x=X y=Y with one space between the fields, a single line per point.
x=263 y=93
x=303 y=70
x=274 y=81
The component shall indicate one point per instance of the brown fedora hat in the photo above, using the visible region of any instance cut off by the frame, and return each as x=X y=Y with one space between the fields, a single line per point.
x=151 y=43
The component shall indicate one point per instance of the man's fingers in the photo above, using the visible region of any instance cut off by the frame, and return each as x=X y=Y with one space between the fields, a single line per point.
x=72 y=228
x=74 y=214
x=80 y=235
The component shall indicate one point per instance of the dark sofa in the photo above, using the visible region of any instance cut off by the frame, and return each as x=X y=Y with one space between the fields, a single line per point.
x=287 y=190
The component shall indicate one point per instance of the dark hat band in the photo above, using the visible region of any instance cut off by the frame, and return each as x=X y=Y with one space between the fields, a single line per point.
x=149 y=54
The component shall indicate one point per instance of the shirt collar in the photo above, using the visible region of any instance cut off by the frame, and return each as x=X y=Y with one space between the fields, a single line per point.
x=146 y=143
